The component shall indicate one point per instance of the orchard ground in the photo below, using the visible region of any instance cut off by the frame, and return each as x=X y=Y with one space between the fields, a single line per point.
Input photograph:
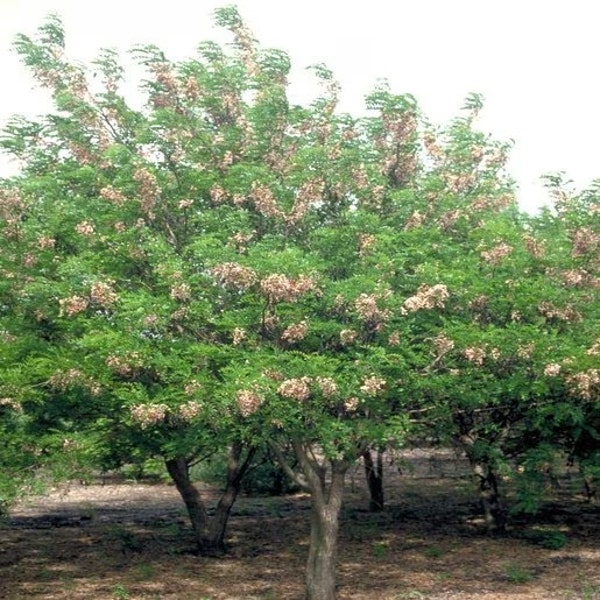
x=116 y=540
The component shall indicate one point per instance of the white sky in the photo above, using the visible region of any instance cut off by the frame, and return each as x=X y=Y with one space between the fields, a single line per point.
x=535 y=62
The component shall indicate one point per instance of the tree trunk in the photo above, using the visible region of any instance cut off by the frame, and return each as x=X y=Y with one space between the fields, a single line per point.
x=491 y=500
x=324 y=526
x=374 y=476
x=210 y=531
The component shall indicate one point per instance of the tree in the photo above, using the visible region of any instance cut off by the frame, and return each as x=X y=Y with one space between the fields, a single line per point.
x=220 y=270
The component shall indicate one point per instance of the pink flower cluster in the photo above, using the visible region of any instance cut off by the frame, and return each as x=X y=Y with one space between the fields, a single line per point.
x=189 y=410
x=567 y=314
x=181 y=291
x=328 y=386
x=280 y=288
x=368 y=311
x=295 y=332
x=427 y=297
x=298 y=388
x=586 y=384
x=348 y=336
x=248 y=401
x=552 y=369
x=372 y=385
x=149 y=414
x=537 y=248
x=85 y=228
x=232 y=274
x=475 y=354
x=239 y=335
x=72 y=305
x=149 y=189
x=112 y=195
x=45 y=243
x=103 y=294
x=11 y=404
x=125 y=365
x=497 y=254
x=584 y=240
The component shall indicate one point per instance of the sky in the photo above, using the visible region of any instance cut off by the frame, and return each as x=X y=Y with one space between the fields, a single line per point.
x=534 y=62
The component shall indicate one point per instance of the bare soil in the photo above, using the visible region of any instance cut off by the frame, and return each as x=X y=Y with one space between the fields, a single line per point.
x=116 y=540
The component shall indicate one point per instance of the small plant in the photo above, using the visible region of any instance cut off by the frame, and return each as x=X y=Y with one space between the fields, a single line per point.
x=552 y=540
x=145 y=571
x=380 y=550
x=120 y=592
x=433 y=552
x=518 y=575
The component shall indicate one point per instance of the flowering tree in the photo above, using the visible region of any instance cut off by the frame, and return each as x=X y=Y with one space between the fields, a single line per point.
x=220 y=269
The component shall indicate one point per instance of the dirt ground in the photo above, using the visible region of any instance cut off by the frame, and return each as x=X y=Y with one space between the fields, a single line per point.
x=116 y=540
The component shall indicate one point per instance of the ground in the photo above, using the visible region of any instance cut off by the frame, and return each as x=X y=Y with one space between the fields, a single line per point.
x=115 y=540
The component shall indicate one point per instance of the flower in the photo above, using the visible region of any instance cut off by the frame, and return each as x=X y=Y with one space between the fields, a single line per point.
x=149 y=414
x=295 y=332
x=328 y=386
x=248 y=402
x=72 y=305
x=85 y=228
x=552 y=369
x=297 y=388
x=232 y=274
x=427 y=297
x=102 y=293
x=372 y=385
x=496 y=255
x=347 y=336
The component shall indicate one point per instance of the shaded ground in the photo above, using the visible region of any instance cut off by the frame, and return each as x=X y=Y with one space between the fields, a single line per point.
x=119 y=541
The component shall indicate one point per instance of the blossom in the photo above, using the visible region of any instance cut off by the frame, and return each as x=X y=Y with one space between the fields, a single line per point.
x=280 y=288
x=535 y=247
x=149 y=414
x=348 y=336
x=497 y=254
x=232 y=274
x=585 y=382
x=368 y=311
x=427 y=297
x=594 y=350
x=442 y=344
x=102 y=293
x=113 y=195
x=328 y=386
x=248 y=402
x=567 y=313
x=149 y=189
x=238 y=336
x=394 y=338
x=189 y=410
x=475 y=354
x=552 y=369
x=72 y=305
x=297 y=388
x=372 y=385
x=295 y=332
x=351 y=404
x=45 y=243
x=85 y=228
x=181 y=292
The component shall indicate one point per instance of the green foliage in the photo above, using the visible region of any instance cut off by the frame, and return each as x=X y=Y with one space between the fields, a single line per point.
x=220 y=267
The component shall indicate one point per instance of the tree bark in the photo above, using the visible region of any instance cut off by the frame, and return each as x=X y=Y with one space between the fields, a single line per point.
x=491 y=501
x=374 y=476
x=326 y=503
x=210 y=531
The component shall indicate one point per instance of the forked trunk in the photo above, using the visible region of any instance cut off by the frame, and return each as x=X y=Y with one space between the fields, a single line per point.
x=209 y=531
x=374 y=476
